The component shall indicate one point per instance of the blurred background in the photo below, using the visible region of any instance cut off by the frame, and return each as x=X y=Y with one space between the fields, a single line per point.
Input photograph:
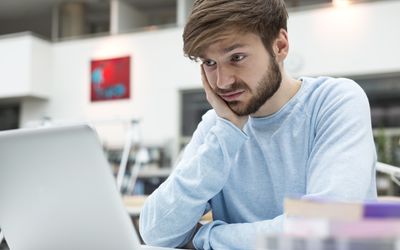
x=62 y=62
x=119 y=65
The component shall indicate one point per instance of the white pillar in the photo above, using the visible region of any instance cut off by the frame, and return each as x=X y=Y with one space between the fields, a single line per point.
x=72 y=19
x=114 y=9
x=125 y=17
x=55 y=22
x=183 y=9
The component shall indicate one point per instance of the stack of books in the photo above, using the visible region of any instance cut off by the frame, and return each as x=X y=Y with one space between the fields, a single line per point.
x=330 y=225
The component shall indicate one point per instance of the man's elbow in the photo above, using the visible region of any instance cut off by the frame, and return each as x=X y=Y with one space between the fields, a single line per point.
x=152 y=239
x=156 y=236
x=147 y=233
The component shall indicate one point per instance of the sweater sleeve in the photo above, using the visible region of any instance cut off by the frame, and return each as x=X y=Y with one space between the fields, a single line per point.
x=237 y=236
x=342 y=161
x=170 y=213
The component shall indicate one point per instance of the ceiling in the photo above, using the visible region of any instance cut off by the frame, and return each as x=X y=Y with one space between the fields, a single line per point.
x=10 y=9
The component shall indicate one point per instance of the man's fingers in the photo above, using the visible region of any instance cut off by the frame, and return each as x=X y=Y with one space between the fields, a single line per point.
x=204 y=79
x=206 y=85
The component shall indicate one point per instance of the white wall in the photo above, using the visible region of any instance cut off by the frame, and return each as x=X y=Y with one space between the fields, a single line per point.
x=41 y=68
x=14 y=66
x=158 y=70
x=363 y=39
x=24 y=66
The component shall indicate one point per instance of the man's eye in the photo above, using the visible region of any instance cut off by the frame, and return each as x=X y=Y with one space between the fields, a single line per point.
x=237 y=58
x=209 y=63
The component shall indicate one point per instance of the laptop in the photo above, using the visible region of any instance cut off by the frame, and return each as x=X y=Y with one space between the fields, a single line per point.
x=57 y=192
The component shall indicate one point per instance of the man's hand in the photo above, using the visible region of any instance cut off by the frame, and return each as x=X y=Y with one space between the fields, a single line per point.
x=219 y=105
x=190 y=245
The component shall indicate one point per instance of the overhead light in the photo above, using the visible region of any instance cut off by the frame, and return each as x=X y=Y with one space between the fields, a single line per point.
x=341 y=3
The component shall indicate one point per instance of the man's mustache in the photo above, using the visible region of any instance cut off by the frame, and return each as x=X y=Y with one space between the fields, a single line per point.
x=235 y=86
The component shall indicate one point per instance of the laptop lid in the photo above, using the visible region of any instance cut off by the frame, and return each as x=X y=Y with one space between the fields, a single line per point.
x=57 y=192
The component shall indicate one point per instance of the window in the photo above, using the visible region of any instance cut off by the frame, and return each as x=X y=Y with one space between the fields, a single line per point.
x=9 y=117
x=383 y=92
x=194 y=105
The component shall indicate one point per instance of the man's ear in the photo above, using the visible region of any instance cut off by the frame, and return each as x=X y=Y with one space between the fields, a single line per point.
x=281 y=45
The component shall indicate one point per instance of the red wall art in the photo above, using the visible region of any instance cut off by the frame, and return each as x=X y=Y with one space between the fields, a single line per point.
x=110 y=79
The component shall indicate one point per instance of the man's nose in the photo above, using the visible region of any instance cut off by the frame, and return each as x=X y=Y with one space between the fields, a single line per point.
x=225 y=78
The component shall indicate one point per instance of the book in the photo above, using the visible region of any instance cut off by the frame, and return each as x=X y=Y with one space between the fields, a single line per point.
x=316 y=224
x=335 y=210
x=362 y=229
x=287 y=242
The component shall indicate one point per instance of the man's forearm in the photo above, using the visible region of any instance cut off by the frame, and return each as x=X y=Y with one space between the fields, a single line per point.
x=172 y=211
x=220 y=235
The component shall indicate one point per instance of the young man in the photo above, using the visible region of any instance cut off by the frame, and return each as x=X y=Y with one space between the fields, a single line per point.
x=268 y=136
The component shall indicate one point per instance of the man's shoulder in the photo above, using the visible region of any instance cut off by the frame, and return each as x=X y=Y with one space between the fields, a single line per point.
x=325 y=94
x=325 y=82
x=329 y=87
x=210 y=117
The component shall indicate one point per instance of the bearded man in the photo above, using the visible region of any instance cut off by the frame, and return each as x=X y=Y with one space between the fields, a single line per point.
x=267 y=137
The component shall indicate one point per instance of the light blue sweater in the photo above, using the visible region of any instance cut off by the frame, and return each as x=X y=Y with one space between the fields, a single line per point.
x=320 y=144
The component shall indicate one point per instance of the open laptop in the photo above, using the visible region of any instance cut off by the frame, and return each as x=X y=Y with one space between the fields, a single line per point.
x=57 y=192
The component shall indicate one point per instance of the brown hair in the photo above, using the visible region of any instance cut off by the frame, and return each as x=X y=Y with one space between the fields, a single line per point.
x=210 y=20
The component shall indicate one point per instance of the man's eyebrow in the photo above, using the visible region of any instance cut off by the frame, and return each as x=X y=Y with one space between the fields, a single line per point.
x=233 y=47
x=225 y=50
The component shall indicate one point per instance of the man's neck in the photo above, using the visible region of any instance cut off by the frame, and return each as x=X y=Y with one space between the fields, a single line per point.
x=289 y=87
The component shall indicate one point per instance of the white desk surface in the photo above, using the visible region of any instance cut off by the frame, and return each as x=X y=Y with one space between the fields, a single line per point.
x=134 y=204
x=149 y=172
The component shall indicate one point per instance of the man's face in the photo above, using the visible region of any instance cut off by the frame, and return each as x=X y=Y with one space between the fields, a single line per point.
x=242 y=72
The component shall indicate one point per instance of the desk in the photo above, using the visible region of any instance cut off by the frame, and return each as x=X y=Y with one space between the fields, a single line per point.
x=134 y=204
x=154 y=172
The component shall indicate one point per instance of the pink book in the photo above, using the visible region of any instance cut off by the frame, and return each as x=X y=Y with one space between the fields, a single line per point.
x=367 y=228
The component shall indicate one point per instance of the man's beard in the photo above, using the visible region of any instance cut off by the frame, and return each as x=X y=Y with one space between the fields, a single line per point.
x=266 y=88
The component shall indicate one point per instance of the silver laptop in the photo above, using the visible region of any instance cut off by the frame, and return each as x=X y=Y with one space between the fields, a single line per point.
x=57 y=192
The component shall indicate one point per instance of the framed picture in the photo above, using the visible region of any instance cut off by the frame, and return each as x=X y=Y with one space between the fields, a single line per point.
x=110 y=79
